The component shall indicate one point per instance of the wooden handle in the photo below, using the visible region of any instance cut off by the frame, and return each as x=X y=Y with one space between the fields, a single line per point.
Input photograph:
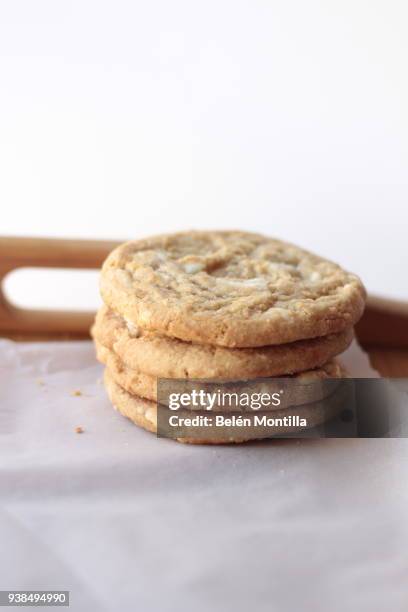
x=50 y=253
x=384 y=324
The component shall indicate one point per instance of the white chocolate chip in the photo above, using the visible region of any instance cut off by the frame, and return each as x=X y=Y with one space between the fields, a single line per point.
x=133 y=329
x=150 y=414
x=258 y=283
x=276 y=266
x=192 y=268
x=255 y=283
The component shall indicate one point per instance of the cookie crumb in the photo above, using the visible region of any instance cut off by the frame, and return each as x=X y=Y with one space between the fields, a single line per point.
x=76 y=393
x=79 y=430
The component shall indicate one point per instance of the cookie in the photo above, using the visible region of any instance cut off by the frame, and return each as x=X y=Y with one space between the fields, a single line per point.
x=232 y=289
x=133 y=381
x=306 y=389
x=143 y=413
x=166 y=357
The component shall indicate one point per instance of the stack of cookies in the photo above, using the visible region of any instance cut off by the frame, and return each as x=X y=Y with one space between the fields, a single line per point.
x=218 y=305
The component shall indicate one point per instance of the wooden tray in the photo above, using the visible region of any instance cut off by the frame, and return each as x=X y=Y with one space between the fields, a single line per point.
x=383 y=330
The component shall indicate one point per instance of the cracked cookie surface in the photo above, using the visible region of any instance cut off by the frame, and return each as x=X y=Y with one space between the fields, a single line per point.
x=232 y=289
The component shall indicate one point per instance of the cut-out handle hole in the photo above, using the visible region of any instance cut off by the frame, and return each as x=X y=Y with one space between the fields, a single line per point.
x=52 y=289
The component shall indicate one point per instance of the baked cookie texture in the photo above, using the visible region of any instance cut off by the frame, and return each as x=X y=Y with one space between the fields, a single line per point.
x=230 y=288
x=145 y=385
x=166 y=357
x=220 y=306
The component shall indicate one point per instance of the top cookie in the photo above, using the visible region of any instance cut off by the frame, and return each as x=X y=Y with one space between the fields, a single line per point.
x=232 y=289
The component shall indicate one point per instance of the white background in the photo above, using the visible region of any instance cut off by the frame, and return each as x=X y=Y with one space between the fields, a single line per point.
x=120 y=119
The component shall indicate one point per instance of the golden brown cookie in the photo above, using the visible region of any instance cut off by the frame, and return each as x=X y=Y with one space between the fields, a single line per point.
x=306 y=390
x=166 y=357
x=143 y=413
x=233 y=289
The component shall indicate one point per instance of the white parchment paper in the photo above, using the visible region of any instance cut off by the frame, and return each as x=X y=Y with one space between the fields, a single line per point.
x=126 y=521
